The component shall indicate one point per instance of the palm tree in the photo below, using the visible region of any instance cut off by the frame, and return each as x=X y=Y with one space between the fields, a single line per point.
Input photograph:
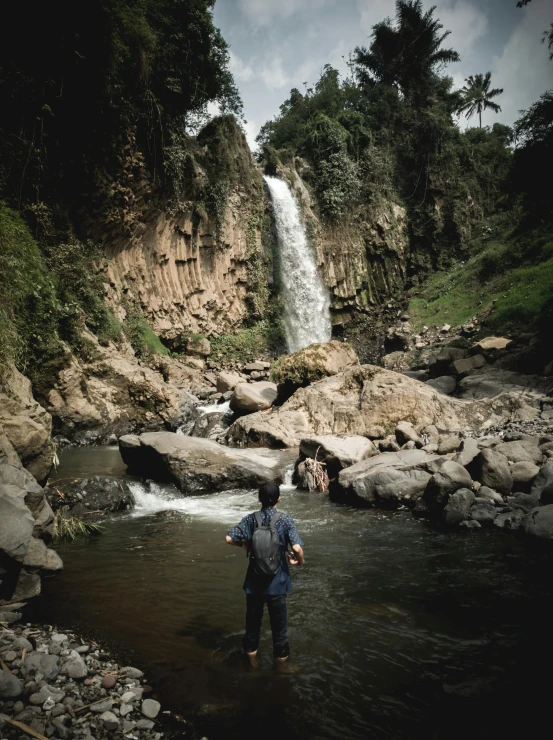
x=477 y=96
x=406 y=54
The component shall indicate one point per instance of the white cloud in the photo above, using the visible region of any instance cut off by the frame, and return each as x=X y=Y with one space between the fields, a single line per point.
x=241 y=71
x=273 y=74
x=251 y=129
x=465 y=21
x=264 y=12
x=523 y=69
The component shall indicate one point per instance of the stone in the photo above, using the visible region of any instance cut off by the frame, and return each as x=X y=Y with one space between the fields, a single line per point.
x=543 y=484
x=10 y=686
x=28 y=586
x=389 y=444
x=491 y=469
x=337 y=451
x=458 y=506
x=375 y=432
x=16 y=522
x=252 y=367
x=10 y=656
x=200 y=465
x=251 y=397
x=448 y=479
x=109 y=681
x=485 y=492
x=101 y=706
x=54 y=693
x=539 y=522
x=388 y=480
x=445 y=384
x=97 y=493
x=110 y=720
x=470 y=524
x=483 y=513
x=468 y=450
x=74 y=666
x=227 y=382
x=47 y=665
x=198 y=345
x=524 y=474
x=406 y=432
x=524 y=501
x=492 y=344
x=439 y=363
x=131 y=672
x=359 y=398
x=21 y=643
x=460 y=368
x=420 y=375
x=41 y=557
x=150 y=708
x=448 y=443
x=311 y=364
x=521 y=450
x=145 y=724
x=131 y=696
x=125 y=709
x=510 y=519
x=445 y=329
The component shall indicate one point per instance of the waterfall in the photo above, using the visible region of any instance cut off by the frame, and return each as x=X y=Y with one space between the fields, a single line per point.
x=306 y=301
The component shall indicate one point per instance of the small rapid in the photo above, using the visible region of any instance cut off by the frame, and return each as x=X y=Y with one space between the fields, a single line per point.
x=306 y=300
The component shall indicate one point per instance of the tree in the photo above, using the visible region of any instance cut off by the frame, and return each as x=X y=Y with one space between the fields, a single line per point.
x=477 y=96
x=408 y=54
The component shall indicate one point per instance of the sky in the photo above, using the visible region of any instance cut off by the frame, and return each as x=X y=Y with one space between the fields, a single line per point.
x=276 y=45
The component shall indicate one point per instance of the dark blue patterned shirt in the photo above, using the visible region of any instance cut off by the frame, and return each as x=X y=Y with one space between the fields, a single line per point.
x=281 y=583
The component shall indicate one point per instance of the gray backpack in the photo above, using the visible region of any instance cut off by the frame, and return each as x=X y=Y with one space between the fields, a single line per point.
x=265 y=549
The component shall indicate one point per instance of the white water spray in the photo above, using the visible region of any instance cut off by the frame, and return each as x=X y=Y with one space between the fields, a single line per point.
x=306 y=301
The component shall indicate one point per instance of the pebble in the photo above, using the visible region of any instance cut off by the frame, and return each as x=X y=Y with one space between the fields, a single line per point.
x=109 y=681
x=131 y=672
x=150 y=708
x=10 y=656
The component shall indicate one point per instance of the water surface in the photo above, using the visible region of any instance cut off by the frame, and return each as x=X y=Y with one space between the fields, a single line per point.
x=396 y=630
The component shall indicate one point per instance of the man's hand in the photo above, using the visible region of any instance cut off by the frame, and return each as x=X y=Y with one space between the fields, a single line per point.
x=296 y=556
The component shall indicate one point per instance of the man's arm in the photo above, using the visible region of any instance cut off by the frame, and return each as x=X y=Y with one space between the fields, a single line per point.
x=238 y=543
x=239 y=535
x=298 y=553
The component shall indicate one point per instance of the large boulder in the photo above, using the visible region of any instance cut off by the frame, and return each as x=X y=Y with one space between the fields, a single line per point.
x=313 y=363
x=446 y=384
x=360 y=398
x=251 y=397
x=41 y=558
x=491 y=468
x=539 y=522
x=524 y=474
x=543 y=484
x=227 y=382
x=26 y=425
x=199 y=465
x=337 y=451
x=521 y=450
x=444 y=483
x=458 y=506
x=16 y=523
x=387 y=480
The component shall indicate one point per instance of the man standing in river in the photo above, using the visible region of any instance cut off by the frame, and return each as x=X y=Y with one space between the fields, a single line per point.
x=271 y=591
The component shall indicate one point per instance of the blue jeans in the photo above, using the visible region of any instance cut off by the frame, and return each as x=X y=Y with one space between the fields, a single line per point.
x=276 y=605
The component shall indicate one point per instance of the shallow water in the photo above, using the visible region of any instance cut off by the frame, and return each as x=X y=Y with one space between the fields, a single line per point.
x=397 y=630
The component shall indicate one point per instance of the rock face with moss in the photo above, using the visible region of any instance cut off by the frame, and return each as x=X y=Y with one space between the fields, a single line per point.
x=310 y=364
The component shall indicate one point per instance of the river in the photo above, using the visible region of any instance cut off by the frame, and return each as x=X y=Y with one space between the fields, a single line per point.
x=397 y=630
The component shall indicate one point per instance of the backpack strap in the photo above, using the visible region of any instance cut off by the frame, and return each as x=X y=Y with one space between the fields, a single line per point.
x=273 y=521
x=258 y=520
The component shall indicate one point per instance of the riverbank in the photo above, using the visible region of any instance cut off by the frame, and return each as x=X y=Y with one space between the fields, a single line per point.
x=57 y=684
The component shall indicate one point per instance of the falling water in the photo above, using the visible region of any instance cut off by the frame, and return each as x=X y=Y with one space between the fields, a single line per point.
x=306 y=302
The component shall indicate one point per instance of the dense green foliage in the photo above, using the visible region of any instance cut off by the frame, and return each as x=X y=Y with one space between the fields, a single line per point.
x=77 y=81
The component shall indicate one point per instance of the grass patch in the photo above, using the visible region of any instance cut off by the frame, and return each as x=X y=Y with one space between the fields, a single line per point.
x=247 y=344
x=511 y=273
x=67 y=527
x=140 y=334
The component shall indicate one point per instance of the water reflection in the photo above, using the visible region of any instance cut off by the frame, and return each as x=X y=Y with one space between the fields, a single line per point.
x=397 y=631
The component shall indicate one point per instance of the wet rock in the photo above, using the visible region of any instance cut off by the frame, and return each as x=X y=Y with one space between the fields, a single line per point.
x=337 y=451
x=150 y=708
x=512 y=520
x=10 y=685
x=491 y=469
x=251 y=397
x=445 y=384
x=388 y=479
x=539 y=522
x=483 y=513
x=458 y=506
x=543 y=484
x=97 y=493
x=470 y=524
x=524 y=474
x=200 y=465
x=444 y=482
